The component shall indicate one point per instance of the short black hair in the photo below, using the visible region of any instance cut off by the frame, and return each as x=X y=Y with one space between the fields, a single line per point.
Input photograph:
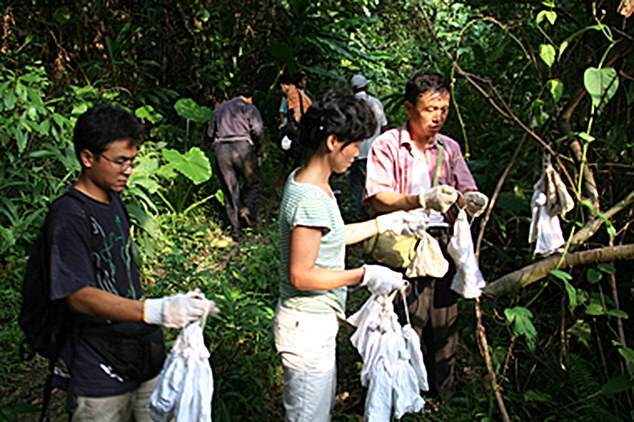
x=285 y=79
x=244 y=91
x=103 y=124
x=336 y=112
x=423 y=82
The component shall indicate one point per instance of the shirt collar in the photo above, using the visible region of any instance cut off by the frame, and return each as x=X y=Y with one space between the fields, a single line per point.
x=406 y=141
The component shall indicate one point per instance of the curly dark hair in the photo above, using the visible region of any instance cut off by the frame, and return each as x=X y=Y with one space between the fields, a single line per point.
x=101 y=125
x=339 y=113
x=423 y=82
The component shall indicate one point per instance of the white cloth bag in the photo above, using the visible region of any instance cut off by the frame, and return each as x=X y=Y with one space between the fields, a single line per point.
x=393 y=367
x=185 y=386
x=468 y=280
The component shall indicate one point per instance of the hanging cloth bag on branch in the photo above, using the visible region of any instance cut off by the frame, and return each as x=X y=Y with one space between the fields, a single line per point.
x=550 y=200
x=185 y=386
x=468 y=280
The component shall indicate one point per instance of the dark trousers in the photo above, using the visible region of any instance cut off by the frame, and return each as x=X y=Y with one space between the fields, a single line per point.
x=356 y=177
x=234 y=161
x=433 y=311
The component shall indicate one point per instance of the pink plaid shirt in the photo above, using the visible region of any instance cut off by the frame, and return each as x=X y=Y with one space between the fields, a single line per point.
x=391 y=159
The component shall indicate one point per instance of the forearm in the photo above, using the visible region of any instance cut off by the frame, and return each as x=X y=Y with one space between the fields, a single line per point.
x=392 y=201
x=316 y=278
x=102 y=304
x=358 y=232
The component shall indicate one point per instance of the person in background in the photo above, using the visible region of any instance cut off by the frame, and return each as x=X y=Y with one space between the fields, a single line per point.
x=402 y=164
x=113 y=350
x=357 y=171
x=237 y=133
x=313 y=237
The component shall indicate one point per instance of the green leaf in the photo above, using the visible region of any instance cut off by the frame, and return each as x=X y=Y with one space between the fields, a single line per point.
x=532 y=395
x=547 y=54
x=601 y=84
x=586 y=137
x=607 y=268
x=616 y=385
x=556 y=88
x=548 y=15
x=548 y=3
x=188 y=109
x=194 y=164
x=593 y=276
x=627 y=353
x=562 y=275
x=148 y=113
x=572 y=294
x=521 y=320
x=595 y=309
x=582 y=331
x=617 y=313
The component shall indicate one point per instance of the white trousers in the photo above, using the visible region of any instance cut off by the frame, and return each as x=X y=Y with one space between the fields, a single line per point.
x=306 y=343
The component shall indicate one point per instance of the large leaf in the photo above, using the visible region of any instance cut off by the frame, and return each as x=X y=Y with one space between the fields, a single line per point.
x=188 y=109
x=194 y=164
x=521 y=320
x=616 y=385
x=601 y=84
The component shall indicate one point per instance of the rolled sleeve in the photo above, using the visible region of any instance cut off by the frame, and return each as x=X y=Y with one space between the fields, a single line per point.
x=256 y=125
x=462 y=179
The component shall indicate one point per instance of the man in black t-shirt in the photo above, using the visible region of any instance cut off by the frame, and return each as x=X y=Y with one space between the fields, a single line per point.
x=114 y=348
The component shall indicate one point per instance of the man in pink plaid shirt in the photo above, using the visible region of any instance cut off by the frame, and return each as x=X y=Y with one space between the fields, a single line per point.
x=403 y=173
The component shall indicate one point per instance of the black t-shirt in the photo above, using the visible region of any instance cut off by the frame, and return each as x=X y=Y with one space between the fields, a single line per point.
x=74 y=264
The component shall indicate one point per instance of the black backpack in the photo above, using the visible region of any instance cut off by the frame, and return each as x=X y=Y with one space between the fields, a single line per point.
x=43 y=321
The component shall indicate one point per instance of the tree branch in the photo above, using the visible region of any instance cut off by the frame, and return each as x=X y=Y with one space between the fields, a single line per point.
x=592 y=226
x=539 y=270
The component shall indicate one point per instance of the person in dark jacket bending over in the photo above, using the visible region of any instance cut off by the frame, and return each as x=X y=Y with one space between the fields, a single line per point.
x=236 y=132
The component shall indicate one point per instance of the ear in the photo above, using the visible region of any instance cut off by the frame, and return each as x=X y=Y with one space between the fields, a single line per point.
x=408 y=106
x=331 y=142
x=87 y=158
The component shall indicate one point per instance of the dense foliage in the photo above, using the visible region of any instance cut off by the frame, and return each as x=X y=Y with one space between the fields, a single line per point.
x=528 y=77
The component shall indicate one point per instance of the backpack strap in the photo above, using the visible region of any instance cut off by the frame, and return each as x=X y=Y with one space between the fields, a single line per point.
x=441 y=146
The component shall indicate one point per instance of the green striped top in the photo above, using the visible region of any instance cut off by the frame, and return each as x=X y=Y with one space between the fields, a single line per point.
x=308 y=205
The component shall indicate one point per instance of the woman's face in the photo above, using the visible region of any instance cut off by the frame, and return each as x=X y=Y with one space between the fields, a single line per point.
x=343 y=155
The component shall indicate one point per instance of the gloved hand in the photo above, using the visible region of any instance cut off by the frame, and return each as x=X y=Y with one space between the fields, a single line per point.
x=178 y=310
x=397 y=222
x=438 y=198
x=475 y=203
x=381 y=280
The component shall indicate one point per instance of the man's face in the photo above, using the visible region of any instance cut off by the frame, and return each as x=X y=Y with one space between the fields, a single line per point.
x=284 y=88
x=428 y=115
x=112 y=168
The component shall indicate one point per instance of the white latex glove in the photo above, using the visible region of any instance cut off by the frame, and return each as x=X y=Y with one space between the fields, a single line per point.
x=438 y=198
x=381 y=280
x=178 y=310
x=475 y=203
x=286 y=143
x=397 y=222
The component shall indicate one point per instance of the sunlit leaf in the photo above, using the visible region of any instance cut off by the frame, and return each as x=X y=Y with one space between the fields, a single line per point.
x=562 y=275
x=194 y=164
x=601 y=84
x=188 y=109
x=618 y=313
x=547 y=54
x=521 y=320
x=595 y=309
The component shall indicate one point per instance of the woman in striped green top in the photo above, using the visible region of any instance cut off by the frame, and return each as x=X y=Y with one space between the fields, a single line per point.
x=313 y=278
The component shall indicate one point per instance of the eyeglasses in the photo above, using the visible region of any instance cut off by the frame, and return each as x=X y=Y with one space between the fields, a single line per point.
x=122 y=162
